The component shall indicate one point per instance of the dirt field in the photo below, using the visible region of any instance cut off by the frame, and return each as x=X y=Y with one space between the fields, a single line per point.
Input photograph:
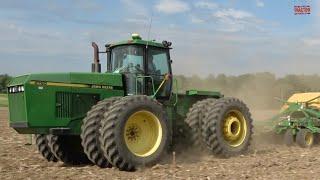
x=264 y=161
x=3 y=100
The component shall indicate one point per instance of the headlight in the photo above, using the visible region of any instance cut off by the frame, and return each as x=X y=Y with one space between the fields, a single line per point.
x=16 y=89
x=20 y=88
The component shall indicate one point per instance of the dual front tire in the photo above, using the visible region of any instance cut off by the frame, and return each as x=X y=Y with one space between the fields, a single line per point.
x=90 y=134
x=126 y=133
x=135 y=132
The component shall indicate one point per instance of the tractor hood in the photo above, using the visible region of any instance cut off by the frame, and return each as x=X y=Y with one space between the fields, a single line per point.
x=50 y=102
x=69 y=79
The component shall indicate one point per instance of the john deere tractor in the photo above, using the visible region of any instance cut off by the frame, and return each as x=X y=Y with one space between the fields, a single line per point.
x=127 y=117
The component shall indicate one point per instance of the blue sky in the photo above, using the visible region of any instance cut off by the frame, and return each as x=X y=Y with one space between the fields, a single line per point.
x=209 y=36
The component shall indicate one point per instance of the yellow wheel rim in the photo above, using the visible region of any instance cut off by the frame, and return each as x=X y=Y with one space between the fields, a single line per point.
x=309 y=138
x=234 y=128
x=143 y=133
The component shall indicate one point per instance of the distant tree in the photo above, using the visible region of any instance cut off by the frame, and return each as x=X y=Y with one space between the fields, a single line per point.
x=257 y=90
x=4 y=80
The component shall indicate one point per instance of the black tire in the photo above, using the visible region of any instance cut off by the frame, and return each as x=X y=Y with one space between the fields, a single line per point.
x=44 y=149
x=90 y=133
x=68 y=149
x=305 y=138
x=113 y=126
x=195 y=118
x=288 y=137
x=213 y=127
x=316 y=138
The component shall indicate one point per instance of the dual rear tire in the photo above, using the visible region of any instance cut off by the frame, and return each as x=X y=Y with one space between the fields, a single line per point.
x=195 y=120
x=225 y=126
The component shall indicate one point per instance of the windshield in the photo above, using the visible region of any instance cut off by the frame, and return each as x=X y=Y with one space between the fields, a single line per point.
x=127 y=59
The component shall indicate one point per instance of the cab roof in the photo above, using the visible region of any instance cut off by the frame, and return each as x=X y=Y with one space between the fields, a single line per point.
x=136 y=39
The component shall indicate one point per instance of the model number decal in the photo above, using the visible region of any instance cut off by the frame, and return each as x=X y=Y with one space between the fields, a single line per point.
x=101 y=87
x=39 y=83
x=95 y=86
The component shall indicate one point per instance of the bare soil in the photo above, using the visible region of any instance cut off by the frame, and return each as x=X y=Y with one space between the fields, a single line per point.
x=265 y=160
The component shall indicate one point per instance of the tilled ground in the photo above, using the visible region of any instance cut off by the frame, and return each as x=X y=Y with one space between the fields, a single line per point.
x=264 y=161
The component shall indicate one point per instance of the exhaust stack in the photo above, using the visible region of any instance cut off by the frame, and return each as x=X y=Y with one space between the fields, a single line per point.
x=96 y=66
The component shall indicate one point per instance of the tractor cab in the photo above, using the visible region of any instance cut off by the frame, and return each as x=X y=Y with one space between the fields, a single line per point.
x=145 y=65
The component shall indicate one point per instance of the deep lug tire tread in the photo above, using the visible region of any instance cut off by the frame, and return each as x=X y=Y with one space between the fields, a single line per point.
x=211 y=131
x=300 y=138
x=288 y=137
x=113 y=150
x=195 y=119
x=44 y=149
x=68 y=149
x=90 y=133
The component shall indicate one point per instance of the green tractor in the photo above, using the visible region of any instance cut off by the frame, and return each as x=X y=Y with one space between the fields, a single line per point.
x=129 y=116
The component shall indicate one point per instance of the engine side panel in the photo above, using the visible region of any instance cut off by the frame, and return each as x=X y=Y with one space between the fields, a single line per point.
x=58 y=105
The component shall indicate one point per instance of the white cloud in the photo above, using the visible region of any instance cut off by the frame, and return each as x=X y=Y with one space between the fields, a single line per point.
x=232 y=13
x=311 y=41
x=196 y=20
x=135 y=7
x=137 y=20
x=206 y=5
x=259 y=3
x=232 y=20
x=172 y=6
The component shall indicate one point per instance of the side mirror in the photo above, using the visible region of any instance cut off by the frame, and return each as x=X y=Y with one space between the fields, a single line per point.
x=107 y=47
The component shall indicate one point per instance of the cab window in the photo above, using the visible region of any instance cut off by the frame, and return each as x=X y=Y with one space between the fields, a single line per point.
x=157 y=62
x=157 y=68
x=127 y=59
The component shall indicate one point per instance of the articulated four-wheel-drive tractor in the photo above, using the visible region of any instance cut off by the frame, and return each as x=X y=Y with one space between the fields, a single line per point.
x=127 y=117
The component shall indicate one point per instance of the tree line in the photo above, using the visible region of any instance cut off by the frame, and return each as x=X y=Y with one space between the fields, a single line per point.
x=257 y=90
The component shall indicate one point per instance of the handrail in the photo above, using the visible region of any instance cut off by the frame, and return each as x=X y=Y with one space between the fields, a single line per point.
x=166 y=77
x=140 y=76
x=177 y=90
